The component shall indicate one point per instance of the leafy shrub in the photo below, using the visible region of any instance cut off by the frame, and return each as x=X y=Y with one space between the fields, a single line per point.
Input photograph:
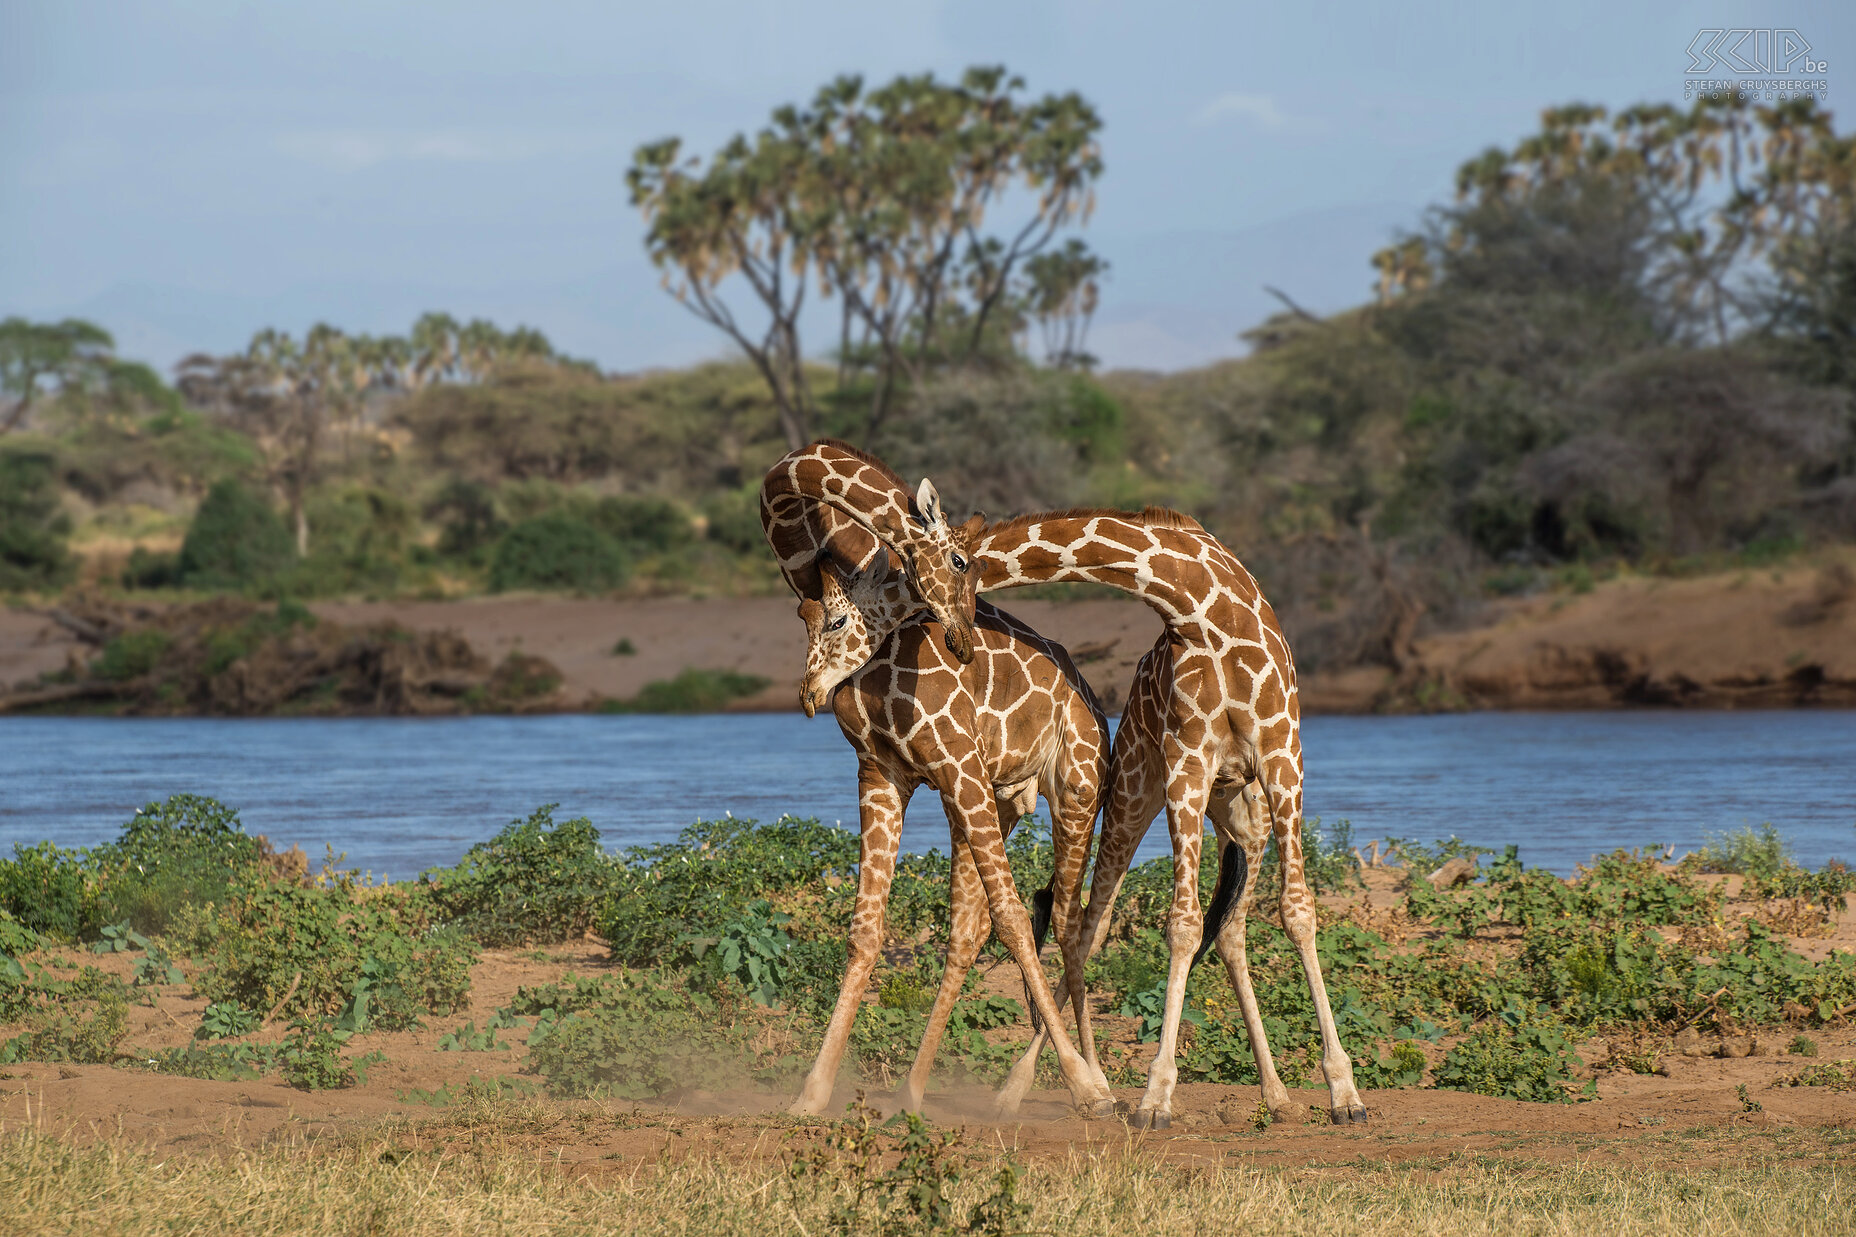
x=642 y=525
x=51 y=891
x=235 y=541
x=15 y=937
x=310 y=1058
x=179 y=851
x=535 y=882
x=149 y=569
x=79 y=1020
x=214 y=1062
x=1515 y=1056
x=557 y=551
x=359 y=541
x=641 y=1037
x=1835 y=1075
x=317 y=952
x=227 y=1020
x=693 y=691
x=469 y=522
x=468 y=1038
x=33 y=528
x=715 y=869
x=132 y=654
x=751 y=950
x=734 y=519
x=868 y=1194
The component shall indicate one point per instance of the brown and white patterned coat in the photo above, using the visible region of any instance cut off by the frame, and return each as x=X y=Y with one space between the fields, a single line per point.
x=1039 y=718
x=1217 y=708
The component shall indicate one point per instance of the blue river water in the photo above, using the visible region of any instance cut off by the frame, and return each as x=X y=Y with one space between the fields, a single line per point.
x=400 y=795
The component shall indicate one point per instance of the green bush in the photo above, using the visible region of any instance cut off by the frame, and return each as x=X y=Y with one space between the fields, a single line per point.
x=317 y=952
x=183 y=850
x=359 y=542
x=557 y=551
x=235 y=541
x=535 y=882
x=33 y=528
x=751 y=950
x=52 y=891
x=693 y=691
x=310 y=1058
x=665 y=893
x=734 y=520
x=469 y=521
x=1514 y=1056
x=640 y=1037
x=132 y=654
x=214 y=1062
x=642 y=525
x=79 y=1020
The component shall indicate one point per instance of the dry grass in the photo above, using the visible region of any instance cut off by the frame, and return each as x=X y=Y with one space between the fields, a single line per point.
x=474 y=1173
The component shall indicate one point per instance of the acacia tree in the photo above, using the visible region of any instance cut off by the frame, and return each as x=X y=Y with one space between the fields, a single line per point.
x=37 y=357
x=1727 y=184
x=880 y=199
x=1063 y=293
x=286 y=395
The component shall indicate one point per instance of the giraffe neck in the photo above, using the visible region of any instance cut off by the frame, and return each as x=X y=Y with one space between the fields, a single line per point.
x=886 y=606
x=827 y=499
x=1171 y=564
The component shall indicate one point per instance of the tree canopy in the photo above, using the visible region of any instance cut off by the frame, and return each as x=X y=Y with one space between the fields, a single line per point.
x=883 y=199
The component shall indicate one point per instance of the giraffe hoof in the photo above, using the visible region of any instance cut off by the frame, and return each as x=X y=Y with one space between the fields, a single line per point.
x=1353 y=1114
x=1152 y=1119
x=1107 y=1108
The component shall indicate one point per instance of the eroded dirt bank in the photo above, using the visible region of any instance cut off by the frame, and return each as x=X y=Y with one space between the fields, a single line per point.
x=1747 y=639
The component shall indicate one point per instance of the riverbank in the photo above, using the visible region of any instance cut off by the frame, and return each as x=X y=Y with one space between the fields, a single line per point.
x=1760 y=638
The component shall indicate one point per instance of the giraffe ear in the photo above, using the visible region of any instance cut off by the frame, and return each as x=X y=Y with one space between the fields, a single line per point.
x=874 y=571
x=928 y=502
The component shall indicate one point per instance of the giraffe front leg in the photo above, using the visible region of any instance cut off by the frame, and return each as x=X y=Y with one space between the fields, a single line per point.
x=880 y=805
x=1240 y=819
x=1185 y=812
x=1282 y=787
x=970 y=802
x=1135 y=797
x=969 y=923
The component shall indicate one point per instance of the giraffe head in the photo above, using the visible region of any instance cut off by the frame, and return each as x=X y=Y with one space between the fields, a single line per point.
x=937 y=556
x=839 y=636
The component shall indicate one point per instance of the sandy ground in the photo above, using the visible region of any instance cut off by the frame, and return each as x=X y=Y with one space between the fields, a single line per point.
x=1691 y=1115
x=1765 y=638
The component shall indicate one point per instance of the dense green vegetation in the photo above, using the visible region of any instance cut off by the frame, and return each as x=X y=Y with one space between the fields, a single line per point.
x=1595 y=357
x=728 y=944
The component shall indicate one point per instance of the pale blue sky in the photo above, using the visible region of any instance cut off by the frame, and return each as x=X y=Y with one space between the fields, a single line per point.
x=188 y=172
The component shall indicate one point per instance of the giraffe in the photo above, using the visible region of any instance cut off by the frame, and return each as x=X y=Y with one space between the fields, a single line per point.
x=1040 y=720
x=1229 y=714
x=862 y=505
x=1136 y=795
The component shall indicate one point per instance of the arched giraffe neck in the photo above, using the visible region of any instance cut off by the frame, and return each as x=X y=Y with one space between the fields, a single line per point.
x=1176 y=568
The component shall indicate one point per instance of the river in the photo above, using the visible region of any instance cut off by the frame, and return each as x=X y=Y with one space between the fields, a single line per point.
x=399 y=795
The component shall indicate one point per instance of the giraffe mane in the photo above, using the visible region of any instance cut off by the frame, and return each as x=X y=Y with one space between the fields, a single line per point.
x=1149 y=517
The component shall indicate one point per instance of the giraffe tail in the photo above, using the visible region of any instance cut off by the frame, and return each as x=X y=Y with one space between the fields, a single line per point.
x=1233 y=874
x=1041 y=903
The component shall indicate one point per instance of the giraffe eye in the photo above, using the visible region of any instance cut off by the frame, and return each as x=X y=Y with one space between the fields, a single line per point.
x=836 y=623
x=960 y=564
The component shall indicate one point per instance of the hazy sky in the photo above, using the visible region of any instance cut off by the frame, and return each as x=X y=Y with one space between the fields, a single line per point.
x=187 y=172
